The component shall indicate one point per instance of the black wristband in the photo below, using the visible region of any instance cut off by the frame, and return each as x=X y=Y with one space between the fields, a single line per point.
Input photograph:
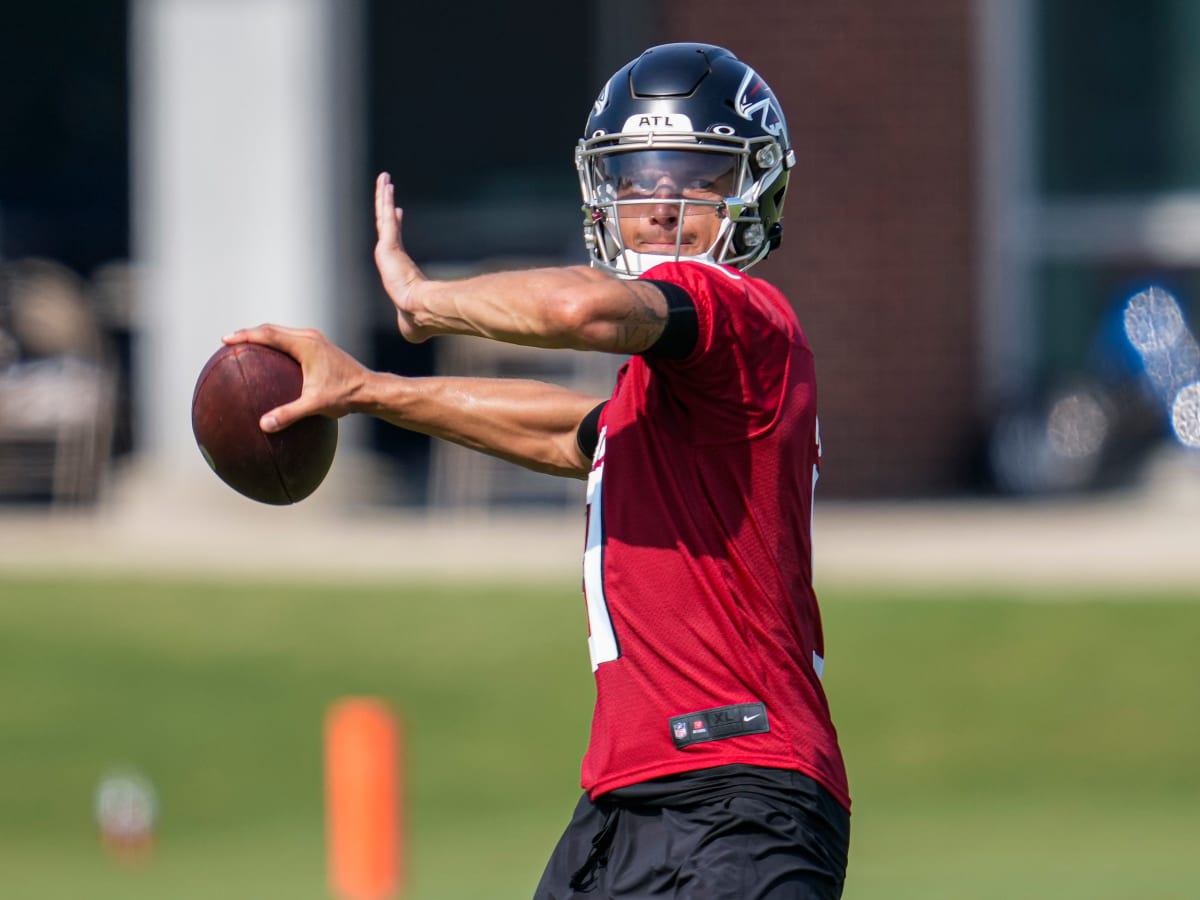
x=679 y=337
x=587 y=436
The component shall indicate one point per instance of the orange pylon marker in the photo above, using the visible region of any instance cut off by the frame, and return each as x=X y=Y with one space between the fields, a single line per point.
x=362 y=800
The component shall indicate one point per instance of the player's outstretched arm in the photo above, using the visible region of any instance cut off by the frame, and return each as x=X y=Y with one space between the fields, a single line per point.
x=570 y=306
x=530 y=423
x=525 y=422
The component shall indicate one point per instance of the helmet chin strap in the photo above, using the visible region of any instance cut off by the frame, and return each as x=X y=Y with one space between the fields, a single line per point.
x=631 y=264
x=628 y=263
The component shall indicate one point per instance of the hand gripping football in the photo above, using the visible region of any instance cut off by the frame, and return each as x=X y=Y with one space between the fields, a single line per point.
x=238 y=384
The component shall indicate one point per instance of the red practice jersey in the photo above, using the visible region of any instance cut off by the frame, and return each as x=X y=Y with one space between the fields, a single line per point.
x=704 y=630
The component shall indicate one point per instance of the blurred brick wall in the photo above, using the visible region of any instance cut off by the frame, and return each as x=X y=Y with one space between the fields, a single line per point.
x=879 y=252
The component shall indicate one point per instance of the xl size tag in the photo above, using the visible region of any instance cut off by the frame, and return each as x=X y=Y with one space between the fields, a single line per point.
x=718 y=724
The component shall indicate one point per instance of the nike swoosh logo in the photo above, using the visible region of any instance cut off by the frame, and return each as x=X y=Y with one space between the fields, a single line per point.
x=751 y=718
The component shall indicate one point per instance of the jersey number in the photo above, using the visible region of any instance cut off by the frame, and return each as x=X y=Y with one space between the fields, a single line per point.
x=602 y=640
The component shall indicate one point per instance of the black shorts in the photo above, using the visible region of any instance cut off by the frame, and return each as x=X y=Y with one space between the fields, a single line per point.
x=731 y=833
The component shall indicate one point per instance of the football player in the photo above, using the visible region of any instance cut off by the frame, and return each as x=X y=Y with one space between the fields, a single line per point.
x=713 y=768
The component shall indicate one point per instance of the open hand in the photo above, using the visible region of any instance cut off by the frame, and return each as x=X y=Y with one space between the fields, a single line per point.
x=396 y=268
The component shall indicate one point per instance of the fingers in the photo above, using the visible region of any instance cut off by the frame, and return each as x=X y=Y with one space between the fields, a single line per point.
x=282 y=416
x=286 y=339
x=387 y=217
x=298 y=343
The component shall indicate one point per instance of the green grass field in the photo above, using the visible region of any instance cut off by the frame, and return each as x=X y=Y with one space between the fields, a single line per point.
x=999 y=746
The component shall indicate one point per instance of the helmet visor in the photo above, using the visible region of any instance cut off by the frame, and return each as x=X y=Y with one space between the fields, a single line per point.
x=667 y=175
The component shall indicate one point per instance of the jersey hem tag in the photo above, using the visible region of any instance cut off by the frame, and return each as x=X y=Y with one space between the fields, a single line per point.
x=718 y=724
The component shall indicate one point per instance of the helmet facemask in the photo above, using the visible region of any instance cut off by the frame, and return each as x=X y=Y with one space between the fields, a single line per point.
x=624 y=175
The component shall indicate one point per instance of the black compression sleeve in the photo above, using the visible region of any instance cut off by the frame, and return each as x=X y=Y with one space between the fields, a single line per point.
x=588 y=434
x=681 y=332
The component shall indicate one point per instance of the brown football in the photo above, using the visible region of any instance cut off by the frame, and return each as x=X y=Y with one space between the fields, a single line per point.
x=237 y=385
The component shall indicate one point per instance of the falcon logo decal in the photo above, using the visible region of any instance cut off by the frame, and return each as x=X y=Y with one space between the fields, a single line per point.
x=755 y=101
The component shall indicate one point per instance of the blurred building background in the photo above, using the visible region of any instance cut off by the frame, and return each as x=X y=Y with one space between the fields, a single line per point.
x=982 y=186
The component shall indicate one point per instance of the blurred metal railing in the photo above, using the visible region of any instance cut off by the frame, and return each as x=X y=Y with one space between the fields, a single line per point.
x=57 y=388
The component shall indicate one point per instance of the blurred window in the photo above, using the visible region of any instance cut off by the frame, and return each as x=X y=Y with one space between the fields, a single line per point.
x=64 y=132
x=1119 y=96
x=1115 y=167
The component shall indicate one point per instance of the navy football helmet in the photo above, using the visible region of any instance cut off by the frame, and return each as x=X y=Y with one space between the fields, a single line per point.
x=695 y=116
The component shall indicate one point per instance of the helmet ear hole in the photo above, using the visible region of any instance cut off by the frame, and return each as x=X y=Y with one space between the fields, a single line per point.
x=739 y=239
x=747 y=237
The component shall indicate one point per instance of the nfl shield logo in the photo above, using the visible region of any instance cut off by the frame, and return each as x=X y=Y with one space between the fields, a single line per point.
x=680 y=730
